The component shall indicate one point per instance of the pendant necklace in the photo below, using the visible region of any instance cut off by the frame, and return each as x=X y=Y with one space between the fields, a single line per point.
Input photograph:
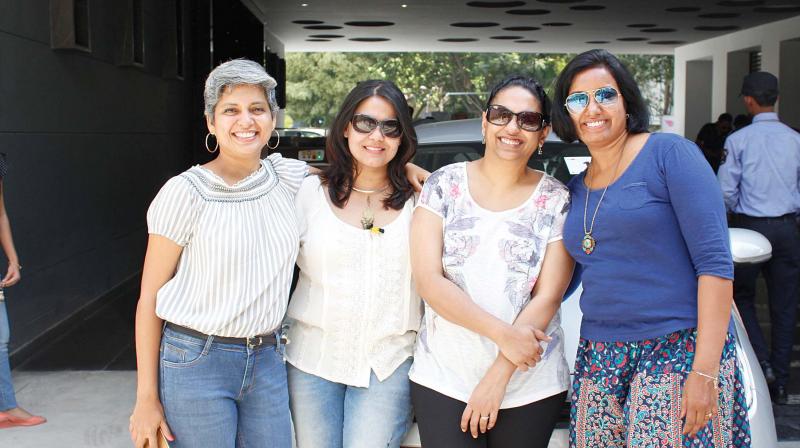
x=588 y=243
x=367 y=216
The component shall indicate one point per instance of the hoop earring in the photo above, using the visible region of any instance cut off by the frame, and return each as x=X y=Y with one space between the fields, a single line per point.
x=212 y=151
x=276 y=143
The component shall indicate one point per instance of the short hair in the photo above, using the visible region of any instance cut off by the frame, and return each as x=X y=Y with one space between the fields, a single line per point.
x=339 y=175
x=725 y=117
x=527 y=83
x=235 y=73
x=635 y=105
x=765 y=99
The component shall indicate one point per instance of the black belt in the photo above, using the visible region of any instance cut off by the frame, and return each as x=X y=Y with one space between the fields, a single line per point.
x=786 y=217
x=251 y=342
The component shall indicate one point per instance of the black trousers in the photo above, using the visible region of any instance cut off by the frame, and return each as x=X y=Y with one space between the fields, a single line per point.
x=439 y=422
x=782 y=273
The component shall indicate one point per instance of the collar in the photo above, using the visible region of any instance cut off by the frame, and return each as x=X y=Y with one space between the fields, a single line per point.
x=766 y=116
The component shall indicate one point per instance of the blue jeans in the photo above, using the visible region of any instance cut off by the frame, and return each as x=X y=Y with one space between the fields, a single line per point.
x=334 y=415
x=219 y=395
x=7 y=398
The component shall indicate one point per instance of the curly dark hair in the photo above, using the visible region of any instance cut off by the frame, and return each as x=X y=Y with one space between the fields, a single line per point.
x=340 y=175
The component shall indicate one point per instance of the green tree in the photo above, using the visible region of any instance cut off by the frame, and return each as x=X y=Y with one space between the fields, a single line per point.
x=452 y=82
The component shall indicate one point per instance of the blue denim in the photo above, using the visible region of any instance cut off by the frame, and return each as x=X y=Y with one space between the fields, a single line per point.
x=334 y=415
x=7 y=398
x=219 y=395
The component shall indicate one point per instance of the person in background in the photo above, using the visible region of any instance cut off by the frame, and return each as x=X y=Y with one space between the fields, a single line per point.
x=656 y=362
x=354 y=316
x=741 y=121
x=488 y=260
x=10 y=413
x=711 y=139
x=760 y=182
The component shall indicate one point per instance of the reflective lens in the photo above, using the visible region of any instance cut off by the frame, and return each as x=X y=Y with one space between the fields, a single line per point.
x=604 y=96
x=366 y=124
x=527 y=121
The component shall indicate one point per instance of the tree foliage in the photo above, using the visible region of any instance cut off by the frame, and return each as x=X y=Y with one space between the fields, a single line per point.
x=453 y=82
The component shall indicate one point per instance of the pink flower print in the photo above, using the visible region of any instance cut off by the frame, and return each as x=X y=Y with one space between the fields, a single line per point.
x=541 y=201
x=455 y=191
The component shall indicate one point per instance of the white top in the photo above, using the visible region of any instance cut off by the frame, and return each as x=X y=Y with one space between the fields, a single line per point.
x=355 y=308
x=239 y=247
x=495 y=257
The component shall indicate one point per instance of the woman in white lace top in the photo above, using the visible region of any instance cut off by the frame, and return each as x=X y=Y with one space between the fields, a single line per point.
x=489 y=263
x=354 y=315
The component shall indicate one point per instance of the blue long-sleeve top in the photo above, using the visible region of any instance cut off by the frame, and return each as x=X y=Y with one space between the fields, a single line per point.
x=661 y=225
x=761 y=173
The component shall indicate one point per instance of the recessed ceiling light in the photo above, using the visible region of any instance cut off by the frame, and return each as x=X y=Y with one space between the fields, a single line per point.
x=404 y=6
x=304 y=4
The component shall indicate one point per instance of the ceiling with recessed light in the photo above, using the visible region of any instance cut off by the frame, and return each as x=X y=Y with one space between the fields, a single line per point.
x=625 y=26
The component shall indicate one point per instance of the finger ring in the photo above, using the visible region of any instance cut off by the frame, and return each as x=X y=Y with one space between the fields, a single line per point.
x=484 y=417
x=709 y=415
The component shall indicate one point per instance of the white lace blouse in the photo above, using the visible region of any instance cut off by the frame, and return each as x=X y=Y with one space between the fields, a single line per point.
x=355 y=309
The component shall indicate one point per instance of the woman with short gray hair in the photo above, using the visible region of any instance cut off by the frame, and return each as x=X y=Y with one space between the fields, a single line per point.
x=220 y=256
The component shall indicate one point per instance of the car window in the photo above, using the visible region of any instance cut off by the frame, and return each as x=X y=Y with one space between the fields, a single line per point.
x=558 y=159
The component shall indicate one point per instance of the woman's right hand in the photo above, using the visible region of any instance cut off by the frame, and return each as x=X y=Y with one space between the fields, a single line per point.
x=520 y=345
x=146 y=419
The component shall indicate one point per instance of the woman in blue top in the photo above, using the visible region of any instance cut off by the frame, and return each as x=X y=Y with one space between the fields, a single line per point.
x=656 y=363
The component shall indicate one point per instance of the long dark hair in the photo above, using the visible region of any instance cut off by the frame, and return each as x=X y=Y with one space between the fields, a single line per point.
x=340 y=175
x=635 y=105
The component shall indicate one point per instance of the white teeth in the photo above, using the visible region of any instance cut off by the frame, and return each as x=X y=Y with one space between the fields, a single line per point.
x=244 y=134
x=509 y=141
x=373 y=148
x=594 y=124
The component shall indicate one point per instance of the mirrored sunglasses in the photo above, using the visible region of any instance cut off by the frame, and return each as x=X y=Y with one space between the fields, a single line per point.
x=527 y=121
x=366 y=124
x=604 y=96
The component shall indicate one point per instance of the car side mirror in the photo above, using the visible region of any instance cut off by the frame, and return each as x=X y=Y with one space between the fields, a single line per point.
x=749 y=246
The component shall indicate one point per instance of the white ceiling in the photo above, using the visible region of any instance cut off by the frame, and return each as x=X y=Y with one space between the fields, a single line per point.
x=422 y=23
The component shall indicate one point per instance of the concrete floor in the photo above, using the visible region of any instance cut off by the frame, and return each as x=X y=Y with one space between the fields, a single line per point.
x=91 y=409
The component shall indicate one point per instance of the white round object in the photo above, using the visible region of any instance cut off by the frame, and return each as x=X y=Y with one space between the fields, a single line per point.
x=749 y=246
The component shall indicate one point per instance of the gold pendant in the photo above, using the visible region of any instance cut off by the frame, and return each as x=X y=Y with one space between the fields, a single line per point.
x=588 y=243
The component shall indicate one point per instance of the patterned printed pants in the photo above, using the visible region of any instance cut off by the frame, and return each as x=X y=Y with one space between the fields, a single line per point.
x=629 y=394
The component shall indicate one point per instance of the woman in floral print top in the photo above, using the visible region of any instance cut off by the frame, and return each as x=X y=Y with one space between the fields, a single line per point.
x=486 y=251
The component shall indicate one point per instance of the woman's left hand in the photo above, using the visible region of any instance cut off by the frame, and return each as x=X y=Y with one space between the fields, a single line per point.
x=12 y=276
x=417 y=176
x=699 y=403
x=480 y=414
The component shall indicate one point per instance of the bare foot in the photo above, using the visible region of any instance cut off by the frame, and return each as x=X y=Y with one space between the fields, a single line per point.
x=19 y=413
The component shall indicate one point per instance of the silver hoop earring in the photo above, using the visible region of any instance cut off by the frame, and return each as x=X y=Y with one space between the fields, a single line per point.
x=212 y=151
x=276 y=143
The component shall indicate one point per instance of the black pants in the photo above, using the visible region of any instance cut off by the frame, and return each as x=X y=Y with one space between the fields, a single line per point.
x=781 y=273
x=439 y=422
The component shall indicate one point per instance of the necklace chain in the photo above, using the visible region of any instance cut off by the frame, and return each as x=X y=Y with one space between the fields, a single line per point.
x=588 y=242
x=379 y=190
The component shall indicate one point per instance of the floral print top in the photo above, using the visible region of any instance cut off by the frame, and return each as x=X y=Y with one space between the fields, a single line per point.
x=495 y=257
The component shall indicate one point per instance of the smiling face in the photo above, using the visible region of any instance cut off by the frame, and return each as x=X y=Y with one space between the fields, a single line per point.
x=242 y=121
x=372 y=149
x=598 y=125
x=509 y=142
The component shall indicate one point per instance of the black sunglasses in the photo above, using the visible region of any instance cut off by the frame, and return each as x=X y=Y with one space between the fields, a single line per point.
x=527 y=121
x=365 y=124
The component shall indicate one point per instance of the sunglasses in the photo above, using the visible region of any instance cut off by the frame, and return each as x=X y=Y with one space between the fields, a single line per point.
x=604 y=96
x=366 y=124
x=527 y=121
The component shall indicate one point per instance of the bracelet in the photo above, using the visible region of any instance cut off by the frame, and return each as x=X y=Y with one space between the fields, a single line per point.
x=710 y=377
